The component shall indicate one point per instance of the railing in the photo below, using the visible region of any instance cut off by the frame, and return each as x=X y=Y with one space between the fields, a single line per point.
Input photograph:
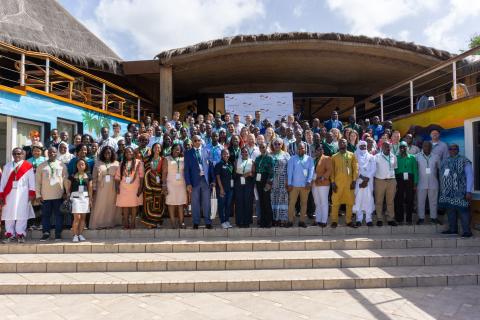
x=44 y=73
x=456 y=78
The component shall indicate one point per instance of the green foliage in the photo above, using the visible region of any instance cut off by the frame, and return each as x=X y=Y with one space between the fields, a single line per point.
x=94 y=122
x=474 y=41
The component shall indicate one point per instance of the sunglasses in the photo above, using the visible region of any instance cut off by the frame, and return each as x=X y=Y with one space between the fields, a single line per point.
x=455 y=149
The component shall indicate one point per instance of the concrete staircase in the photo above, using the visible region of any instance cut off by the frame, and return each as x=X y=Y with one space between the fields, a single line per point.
x=163 y=260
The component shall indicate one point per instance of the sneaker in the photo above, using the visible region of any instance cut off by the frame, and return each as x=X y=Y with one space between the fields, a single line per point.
x=370 y=224
x=421 y=221
x=45 y=237
x=21 y=238
x=75 y=239
x=9 y=239
x=81 y=238
x=224 y=225
x=229 y=225
x=379 y=223
x=58 y=239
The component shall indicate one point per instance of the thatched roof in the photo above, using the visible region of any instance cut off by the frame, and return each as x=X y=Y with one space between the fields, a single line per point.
x=45 y=26
x=303 y=36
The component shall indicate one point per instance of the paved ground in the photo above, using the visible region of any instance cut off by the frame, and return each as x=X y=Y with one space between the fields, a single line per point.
x=455 y=303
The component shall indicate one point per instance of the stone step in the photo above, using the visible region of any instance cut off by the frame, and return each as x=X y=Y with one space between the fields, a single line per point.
x=142 y=245
x=164 y=233
x=257 y=260
x=238 y=280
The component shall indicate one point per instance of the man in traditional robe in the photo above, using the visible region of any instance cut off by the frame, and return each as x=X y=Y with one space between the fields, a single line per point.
x=344 y=175
x=364 y=202
x=17 y=190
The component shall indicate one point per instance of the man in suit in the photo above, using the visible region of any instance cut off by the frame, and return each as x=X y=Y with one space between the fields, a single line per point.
x=199 y=178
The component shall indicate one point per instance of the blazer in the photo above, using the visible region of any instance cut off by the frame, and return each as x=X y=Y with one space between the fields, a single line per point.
x=192 y=169
x=323 y=169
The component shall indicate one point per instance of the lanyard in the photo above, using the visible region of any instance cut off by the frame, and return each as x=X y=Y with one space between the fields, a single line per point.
x=244 y=165
x=261 y=161
x=177 y=160
x=250 y=153
x=80 y=179
x=388 y=160
x=236 y=152
x=427 y=159
x=51 y=168
x=129 y=168
x=144 y=151
x=228 y=166
x=395 y=149
x=157 y=163
x=301 y=162
x=198 y=156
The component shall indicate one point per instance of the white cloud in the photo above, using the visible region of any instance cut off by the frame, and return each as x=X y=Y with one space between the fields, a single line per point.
x=298 y=10
x=448 y=32
x=370 y=17
x=404 y=35
x=151 y=26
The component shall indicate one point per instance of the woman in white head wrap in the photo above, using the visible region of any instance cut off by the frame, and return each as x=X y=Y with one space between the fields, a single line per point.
x=364 y=201
x=63 y=154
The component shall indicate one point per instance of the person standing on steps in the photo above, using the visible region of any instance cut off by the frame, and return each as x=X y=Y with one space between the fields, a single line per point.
x=428 y=166
x=321 y=186
x=364 y=202
x=264 y=179
x=406 y=174
x=385 y=184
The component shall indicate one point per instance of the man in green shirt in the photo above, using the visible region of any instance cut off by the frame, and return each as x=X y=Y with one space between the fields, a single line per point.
x=263 y=181
x=352 y=124
x=406 y=175
x=329 y=147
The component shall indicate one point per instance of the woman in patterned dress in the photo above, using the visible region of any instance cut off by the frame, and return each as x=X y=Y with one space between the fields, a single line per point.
x=279 y=191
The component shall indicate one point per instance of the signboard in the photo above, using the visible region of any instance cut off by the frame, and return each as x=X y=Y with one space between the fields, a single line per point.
x=273 y=105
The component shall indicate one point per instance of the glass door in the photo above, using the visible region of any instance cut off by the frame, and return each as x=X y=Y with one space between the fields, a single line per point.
x=22 y=130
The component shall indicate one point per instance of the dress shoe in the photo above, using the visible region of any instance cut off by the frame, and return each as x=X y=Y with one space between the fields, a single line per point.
x=334 y=225
x=379 y=223
x=392 y=223
x=195 y=226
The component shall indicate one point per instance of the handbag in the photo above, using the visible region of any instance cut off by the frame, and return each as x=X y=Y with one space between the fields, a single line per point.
x=66 y=206
x=213 y=204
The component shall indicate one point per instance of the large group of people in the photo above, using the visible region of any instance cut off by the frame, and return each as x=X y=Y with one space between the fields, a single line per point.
x=279 y=172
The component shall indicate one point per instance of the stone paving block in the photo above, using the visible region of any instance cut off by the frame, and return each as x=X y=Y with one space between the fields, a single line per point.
x=318 y=245
x=185 y=247
x=104 y=248
x=77 y=288
x=167 y=233
x=405 y=229
x=146 y=287
x=178 y=287
x=355 y=262
x=339 y=283
x=419 y=243
x=240 y=264
x=158 y=247
x=339 y=231
x=111 y=288
x=213 y=247
x=94 y=234
x=399 y=282
x=433 y=280
x=310 y=231
x=276 y=285
x=5 y=249
x=292 y=245
x=243 y=285
x=24 y=248
x=13 y=288
x=344 y=244
x=266 y=246
x=380 y=230
x=191 y=233
x=383 y=262
x=8 y=267
x=239 y=246
x=287 y=232
x=181 y=265
x=462 y=280
x=239 y=233
x=122 y=266
x=472 y=242
x=117 y=234
x=356 y=231
x=36 y=267
x=215 y=233
x=426 y=228
x=465 y=259
x=77 y=248
x=410 y=261
x=43 y=288
x=270 y=264
x=50 y=248
x=211 y=286
x=369 y=244
x=91 y=266
x=211 y=264
x=370 y=283
x=444 y=243
x=152 y=265
x=438 y=260
x=298 y=263
x=131 y=247
x=263 y=232
x=307 y=284
x=394 y=244
x=327 y=263
x=54 y=267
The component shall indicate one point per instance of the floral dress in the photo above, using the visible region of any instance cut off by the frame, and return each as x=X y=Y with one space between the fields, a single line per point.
x=279 y=193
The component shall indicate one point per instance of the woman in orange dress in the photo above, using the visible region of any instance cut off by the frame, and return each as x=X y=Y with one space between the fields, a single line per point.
x=129 y=187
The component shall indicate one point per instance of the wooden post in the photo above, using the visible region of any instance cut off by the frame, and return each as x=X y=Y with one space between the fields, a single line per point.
x=47 y=75
x=138 y=109
x=166 y=91
x=381 y=107
x=411 y=96
x=103 y=96
x=454 y=75
x=22 y=70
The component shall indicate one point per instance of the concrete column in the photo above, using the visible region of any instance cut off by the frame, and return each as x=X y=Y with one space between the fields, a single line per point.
x=166 y=91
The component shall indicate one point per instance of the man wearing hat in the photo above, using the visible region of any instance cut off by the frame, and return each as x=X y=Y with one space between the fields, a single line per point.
x=406 y=175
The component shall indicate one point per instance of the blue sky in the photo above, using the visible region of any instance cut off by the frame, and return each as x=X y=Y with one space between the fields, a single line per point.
x=139 y=29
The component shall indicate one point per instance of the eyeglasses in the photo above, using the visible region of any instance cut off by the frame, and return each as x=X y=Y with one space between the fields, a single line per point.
x=455 y=149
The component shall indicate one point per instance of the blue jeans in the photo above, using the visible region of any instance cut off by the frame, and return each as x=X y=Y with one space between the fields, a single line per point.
x=201 y=199
x=50 y=207
x=465 y=218
x=225 y=205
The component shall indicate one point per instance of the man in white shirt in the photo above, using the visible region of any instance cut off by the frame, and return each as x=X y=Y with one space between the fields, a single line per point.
x=237 y=124
x=385 y=184
x=116 y=132
x=439 y=147
x=106 y=140
x=428 y=166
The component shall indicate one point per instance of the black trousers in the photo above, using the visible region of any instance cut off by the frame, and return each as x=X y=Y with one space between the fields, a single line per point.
x=404 y=198
x=266 y=215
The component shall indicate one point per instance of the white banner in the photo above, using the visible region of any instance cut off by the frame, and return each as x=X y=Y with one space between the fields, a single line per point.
x=273 y=105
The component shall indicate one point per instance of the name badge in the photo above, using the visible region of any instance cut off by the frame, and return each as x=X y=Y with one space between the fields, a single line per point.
x=177 y=177
x=157 y=179
x=53 y=180
x=81 y=189
x=128 y=180
x=392 y=173
x=348 y=171
x=314 y=176
x=201 y=170
x=242 y=180
x=375 y=137
x=405 y=176
x=108 y=178
x=231 y=183
x=15 y=183
x=259 y=177
x=428 y=171
x=446 y=172
x=305 y=173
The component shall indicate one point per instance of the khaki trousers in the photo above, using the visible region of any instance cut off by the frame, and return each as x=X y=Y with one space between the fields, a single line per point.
x=385 y=189
x=293 y=196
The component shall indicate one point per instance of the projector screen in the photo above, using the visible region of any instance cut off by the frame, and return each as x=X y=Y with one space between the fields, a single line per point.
x=273 y=105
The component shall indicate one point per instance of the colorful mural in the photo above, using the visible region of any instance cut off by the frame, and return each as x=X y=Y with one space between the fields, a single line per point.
x=40 y=108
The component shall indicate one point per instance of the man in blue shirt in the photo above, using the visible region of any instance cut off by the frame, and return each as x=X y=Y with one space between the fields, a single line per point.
x=377 y=128
x=300 y=174
x=214 y=149
x=334 y=122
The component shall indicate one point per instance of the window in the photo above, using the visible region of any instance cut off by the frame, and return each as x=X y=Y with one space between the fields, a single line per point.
x=22 y=129
x=68 y=126
x=476 y=153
